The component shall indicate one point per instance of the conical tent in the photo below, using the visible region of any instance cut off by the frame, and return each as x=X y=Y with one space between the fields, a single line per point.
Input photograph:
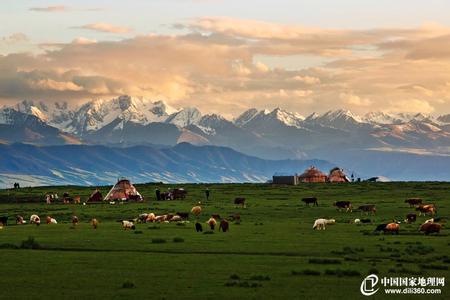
x=123 y=190
x=95 y=197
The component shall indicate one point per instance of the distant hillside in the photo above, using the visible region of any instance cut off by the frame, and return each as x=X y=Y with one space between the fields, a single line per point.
x=95 y=165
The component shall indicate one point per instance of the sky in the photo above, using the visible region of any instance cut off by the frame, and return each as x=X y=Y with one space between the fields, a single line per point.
x=227 y=56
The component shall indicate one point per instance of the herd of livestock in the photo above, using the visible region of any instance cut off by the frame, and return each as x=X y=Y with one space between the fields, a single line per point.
x=429 y=226
x=432 y=225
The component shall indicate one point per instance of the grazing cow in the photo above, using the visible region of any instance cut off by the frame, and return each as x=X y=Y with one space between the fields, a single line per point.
x=183 y=215
x=413 y=201
x=175 y=218
x=74 y=220
x=50 y=220
x=76 y=199
x=411 y=218
x=20 y=220
x=212 y=223
x=392 y=228
x=368 y=208
x=150 y=218
x=239 y=201
x=128 y=225
x=4 y=220
x=347 y=205
x=236 y=218
x=309 y=200
x=94 y=223
x=436 y=220
x=161 y=218
x=34 y=219
x=426 y=209
x=428 y=228
x=198 y=227
x=320 y=224
x=196 y=210
x=224 y=225
x=389 y=227
x=142 y=218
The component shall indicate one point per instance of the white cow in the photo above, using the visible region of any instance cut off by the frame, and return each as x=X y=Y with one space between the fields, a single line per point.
x=34 y=219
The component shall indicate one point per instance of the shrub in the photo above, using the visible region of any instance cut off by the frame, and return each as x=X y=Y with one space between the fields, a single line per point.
x=306 y=272
x=419 y=249
x=373 y=271
x=178 y=240
x=8 y=246
x=434 y=267
x=260 y=277
x=158 y=241
x=128 y=285
x=325 y=261
x=30 y=243
x=342 y=273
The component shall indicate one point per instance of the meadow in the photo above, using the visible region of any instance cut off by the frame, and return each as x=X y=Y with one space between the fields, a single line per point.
x=274 y=253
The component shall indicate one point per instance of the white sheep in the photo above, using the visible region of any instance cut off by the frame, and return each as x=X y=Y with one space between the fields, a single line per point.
x=128 y=225
x=319 y=224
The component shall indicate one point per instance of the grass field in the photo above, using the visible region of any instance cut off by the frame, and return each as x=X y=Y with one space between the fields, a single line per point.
x=272 y=254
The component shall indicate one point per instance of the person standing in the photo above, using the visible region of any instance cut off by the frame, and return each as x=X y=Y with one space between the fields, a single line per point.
x=158 y=194
x=207 y=192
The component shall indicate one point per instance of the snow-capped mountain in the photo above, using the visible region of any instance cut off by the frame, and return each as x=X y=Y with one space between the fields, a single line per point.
x=97 y=114
x=185 y=117
x=337 y=136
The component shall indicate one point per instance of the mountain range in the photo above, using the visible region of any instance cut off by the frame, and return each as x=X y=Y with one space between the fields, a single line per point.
x=102 y=165
x=380 y=139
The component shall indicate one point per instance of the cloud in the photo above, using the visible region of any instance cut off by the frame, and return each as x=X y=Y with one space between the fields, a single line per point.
x=352 y=99
x=220 y=65
x=55 y=8
x=15 y=38
x=105 y=27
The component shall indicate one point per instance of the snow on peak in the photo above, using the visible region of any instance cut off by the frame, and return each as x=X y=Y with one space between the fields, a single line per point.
x=185 y=117
x=246 y=117
x=288 y=118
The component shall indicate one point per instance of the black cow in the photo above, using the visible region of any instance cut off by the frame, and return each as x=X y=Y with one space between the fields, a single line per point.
x=239 y=201
x=368 y=208
x=347 y=205
x=413 y=201
x=183 y=215
x=198 y=227
x=4 y=220
x=411 y=218
x=309 y=200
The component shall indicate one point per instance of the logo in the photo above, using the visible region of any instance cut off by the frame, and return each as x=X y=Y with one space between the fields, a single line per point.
x=368 y=285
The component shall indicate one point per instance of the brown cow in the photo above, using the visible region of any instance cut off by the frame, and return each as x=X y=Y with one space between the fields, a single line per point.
x=239 y=201
x=426 y=209
x=413 y=201
x=392 y=228
x=368 y=208
x=224 y=226
x=428 y=228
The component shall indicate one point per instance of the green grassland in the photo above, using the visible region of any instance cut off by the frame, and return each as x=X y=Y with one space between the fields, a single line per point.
x=274 y=253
